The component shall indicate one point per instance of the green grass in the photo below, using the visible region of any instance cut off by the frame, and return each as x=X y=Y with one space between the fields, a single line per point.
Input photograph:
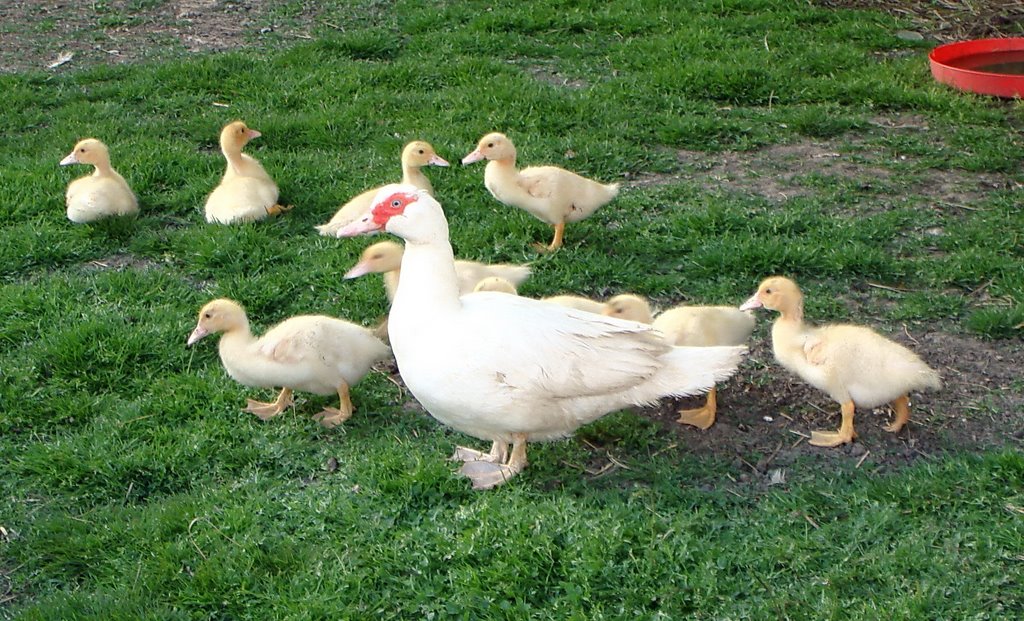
x=133 y=486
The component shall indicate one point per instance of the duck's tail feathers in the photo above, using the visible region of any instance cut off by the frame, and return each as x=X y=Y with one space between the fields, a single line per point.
x=930 y=380
x=695 y=370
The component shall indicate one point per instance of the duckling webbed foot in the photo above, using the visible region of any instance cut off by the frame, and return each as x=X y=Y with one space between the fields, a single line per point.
x=702 y=417
x=279 y=209
x=556 y=242
x=266 y=411
x=901 y=407
x=332 y=417
x=845 y=434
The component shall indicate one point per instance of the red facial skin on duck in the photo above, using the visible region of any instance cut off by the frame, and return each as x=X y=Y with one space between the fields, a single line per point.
x=391 y=206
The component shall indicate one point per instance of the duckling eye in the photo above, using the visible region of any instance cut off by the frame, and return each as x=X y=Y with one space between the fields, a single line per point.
x=490 y=145
x=768 y=291
x=207 y=315
x=81 y=150
x=421 y=151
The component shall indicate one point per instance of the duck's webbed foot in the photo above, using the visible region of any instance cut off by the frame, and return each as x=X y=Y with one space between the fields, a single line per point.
x=332 y=417
x=497 y=454
x=487 y=473
x=556 y=241
x=845 y=434
x=702 y=417
x=901 y=407
x=275 y=210
x=266 y=411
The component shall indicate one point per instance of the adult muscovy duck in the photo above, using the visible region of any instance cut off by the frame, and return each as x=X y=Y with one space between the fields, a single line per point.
x=510 y=369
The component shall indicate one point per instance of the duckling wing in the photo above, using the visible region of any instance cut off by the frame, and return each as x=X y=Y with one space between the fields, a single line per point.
x=291 y=341
x=321 y=339
x=539 y=181
x=815 y=350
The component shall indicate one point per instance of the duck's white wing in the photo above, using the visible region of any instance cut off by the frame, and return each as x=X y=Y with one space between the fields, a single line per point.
x=560 y=352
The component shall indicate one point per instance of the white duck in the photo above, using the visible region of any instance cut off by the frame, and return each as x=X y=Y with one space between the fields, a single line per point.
x=693 y=326
x=853 y=364
x=386 y=258
x=246 y=192
x=99 y=195
x=313 y=353
x=415 y=156
x=509 y=369
x=552 y=194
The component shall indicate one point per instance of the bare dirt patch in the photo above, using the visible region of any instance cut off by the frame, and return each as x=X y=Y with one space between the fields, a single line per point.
x=786 y=171
x=765 y=414
x=120 y=262
x=36 y=32
x=554 y=77
x=948 y=20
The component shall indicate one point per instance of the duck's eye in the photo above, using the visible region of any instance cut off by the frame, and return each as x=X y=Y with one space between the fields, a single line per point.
x=396 y=203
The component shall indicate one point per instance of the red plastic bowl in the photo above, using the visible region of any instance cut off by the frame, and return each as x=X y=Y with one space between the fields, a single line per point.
x=974 y=66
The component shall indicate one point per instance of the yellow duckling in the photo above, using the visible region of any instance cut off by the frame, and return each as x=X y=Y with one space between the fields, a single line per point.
x=496 y=284
x=692 y=326
x=552 y=194
x=313 y=353
x=99 y=195
x=386 y=258
x=415 y=156
x=246 y=192
x=853 y=364
x=576 y=301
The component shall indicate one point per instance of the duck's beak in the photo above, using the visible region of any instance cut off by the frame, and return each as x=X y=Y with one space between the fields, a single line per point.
x=362 y=226
x=359 y=269
x=475 y=156
x=70 y=159
x=752 y=303
x=197 y=334
x=437 y=160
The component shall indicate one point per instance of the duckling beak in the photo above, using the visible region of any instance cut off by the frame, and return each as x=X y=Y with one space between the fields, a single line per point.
x=197 y=334
x=359 y=269
x=70 y=159
x=437 y=160
x=753 y=302
x=362 y=226
x=254 y=134
x=475 y=156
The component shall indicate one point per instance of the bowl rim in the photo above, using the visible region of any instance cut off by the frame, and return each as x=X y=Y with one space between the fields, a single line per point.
x=943 y=54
